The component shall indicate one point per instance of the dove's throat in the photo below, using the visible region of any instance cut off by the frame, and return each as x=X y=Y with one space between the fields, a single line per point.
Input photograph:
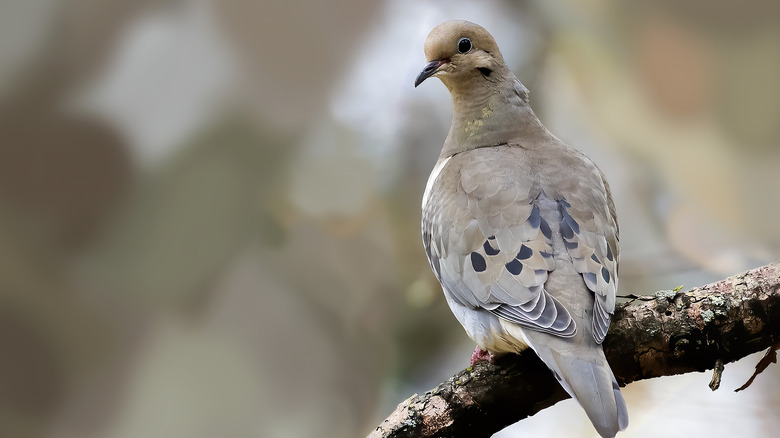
x=491 y=115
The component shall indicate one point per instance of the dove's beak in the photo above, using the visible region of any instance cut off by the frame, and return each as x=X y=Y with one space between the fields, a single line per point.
x=430 y=69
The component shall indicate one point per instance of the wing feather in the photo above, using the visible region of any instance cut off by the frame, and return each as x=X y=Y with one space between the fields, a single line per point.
x=495 y=251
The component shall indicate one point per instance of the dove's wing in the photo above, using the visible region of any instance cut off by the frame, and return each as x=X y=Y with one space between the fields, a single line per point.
x=488 y=230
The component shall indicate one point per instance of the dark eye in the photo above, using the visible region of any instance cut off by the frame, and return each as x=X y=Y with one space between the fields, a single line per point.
x=464 y=45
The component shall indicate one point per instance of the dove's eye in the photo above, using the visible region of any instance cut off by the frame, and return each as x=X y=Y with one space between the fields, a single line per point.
x=464 y=45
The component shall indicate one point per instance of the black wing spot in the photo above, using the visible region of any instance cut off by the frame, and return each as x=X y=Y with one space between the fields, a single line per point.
x=605 y=274
x=545 y=227
x=515 y=267
x=535 y=218
x=545 y=254
x=570 y=244
x=524 y=253
x=571 y=222
x=594 y=258
x=478 y=262
x=492 y=238
x=566 y=231
x=489 y=250
x=609 y=254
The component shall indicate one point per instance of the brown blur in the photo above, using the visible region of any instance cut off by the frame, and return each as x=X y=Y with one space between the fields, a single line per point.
x=209 y=210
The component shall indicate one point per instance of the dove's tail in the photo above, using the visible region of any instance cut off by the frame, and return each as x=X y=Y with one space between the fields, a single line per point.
x=590 y=381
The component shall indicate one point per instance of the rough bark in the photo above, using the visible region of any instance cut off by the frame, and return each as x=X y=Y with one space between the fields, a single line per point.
x=651 y=336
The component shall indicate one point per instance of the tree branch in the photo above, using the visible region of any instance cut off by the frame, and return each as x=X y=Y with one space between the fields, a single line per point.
x=661 y=335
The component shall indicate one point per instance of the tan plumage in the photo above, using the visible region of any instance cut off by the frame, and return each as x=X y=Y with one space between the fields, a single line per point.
x=520 y=228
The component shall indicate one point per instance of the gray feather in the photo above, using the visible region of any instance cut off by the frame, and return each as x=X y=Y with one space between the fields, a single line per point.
x=520 y=229
x=587 y=377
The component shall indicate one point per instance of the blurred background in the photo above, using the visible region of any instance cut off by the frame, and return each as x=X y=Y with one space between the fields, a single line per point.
x=209 y=210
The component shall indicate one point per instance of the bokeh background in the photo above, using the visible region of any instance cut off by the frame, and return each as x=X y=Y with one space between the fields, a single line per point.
x=209 y=210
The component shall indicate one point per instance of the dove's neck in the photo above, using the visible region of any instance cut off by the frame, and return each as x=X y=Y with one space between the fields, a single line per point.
x=490 y=116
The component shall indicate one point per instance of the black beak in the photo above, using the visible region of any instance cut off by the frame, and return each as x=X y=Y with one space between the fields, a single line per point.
x=428 y=71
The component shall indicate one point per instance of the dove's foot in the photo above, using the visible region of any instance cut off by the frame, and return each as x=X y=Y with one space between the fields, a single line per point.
x=480 y=355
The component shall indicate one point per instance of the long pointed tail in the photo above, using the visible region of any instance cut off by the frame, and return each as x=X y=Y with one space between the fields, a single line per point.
x=590 y=381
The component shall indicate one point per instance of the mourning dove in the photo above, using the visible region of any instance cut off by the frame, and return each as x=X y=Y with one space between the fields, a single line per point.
x=520 y=228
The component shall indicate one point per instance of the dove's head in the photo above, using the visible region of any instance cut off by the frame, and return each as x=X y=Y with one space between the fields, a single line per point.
x=460 y=53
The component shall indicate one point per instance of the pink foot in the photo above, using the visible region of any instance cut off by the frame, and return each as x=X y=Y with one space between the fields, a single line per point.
x=480 y=355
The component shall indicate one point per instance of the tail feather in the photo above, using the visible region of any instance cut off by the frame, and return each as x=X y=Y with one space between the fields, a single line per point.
x=589 y=381
x=621 y=404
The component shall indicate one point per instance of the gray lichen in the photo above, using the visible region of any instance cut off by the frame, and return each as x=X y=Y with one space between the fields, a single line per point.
x=668 y=294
